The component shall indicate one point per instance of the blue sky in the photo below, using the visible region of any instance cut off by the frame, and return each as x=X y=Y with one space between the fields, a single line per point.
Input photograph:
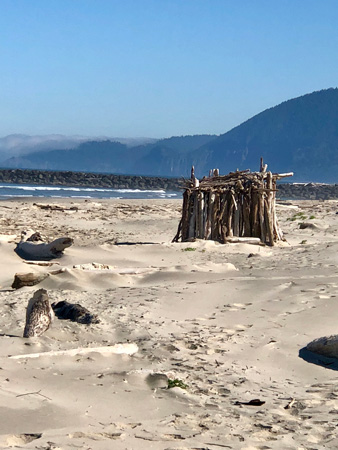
x=157 y=68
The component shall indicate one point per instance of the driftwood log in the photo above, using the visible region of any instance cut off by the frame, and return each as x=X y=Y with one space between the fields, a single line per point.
x=33 y=248
x=39 y=314
x=238 y=205
x=28 y=279
x=32 y=278
x=55 y=207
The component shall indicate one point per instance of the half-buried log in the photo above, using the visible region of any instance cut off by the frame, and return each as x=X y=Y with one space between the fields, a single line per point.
x=28 y=279
x=39 y=314
x=32 y=278
x=34 y=249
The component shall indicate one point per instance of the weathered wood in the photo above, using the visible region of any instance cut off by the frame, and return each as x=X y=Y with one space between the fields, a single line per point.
x=28 y=279
x=243 y=240
x=200 y=233
x=185 y=214
x=192 y=219
x=210 y=215
x=246 y=215
x=39 y=314
x=239 y=204
x=36 y=250
x=33 y=278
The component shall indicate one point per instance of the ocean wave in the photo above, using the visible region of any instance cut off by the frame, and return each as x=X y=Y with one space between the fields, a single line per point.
x=145 y=191
x=81 y=189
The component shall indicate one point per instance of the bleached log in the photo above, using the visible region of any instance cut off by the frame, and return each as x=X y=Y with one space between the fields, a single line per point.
x=236 y=226
x=283 y=175
x=117 y=349
x=229 y=222
x=55 y=207
x=269 y=206
x=43 y=251
x=210 y=215
x=243 y=240
x=194 y=180
x=261 y=216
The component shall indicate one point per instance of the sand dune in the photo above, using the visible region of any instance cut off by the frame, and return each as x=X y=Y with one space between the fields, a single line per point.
x=222 y=324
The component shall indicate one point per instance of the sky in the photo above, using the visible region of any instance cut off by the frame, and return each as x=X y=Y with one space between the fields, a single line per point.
x=158 y=68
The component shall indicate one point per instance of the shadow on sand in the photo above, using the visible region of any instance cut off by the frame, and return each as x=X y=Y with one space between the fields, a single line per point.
x=319 y=360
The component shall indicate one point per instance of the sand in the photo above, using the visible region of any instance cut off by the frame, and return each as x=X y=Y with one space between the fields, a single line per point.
x=228 y=322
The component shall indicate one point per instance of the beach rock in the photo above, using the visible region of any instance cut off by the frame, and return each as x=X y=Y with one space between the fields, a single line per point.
x=157 y=381
x=28 y=279
x=74 y=312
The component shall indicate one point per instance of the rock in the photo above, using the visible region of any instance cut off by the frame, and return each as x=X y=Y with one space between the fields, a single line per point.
x=74 y=312
x=28 y=279
x=326 y=346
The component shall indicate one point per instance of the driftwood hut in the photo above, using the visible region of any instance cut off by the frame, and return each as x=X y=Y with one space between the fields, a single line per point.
x=234 y=207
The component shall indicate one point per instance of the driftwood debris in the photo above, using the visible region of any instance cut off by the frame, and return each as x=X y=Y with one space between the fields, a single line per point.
x=33 y=248
x=240 y=204
x=32 y=278
x=74 y=312
x=55 y=207
x=39 y=314
x=28 y=279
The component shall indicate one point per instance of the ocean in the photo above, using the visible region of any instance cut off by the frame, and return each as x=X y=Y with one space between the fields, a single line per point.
x=8 y=191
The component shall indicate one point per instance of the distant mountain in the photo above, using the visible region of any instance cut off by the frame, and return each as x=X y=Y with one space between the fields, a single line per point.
x=20 y=144
x=299 y=135
x=159 y=158
x=169 y=157
x=15 y=145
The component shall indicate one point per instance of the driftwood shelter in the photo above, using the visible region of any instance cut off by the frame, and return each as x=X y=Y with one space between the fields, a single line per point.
x=231 y=207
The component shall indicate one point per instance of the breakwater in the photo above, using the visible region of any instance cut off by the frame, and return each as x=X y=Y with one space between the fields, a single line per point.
x=304 y=191
x=83 y=179
x=307 y=191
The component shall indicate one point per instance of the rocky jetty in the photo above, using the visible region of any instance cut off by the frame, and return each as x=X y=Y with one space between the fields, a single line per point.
x=307 y=191
x=312 y=191
x=83 y=179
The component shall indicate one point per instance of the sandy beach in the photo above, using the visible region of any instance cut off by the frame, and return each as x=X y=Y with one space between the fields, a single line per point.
x=224 y=323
